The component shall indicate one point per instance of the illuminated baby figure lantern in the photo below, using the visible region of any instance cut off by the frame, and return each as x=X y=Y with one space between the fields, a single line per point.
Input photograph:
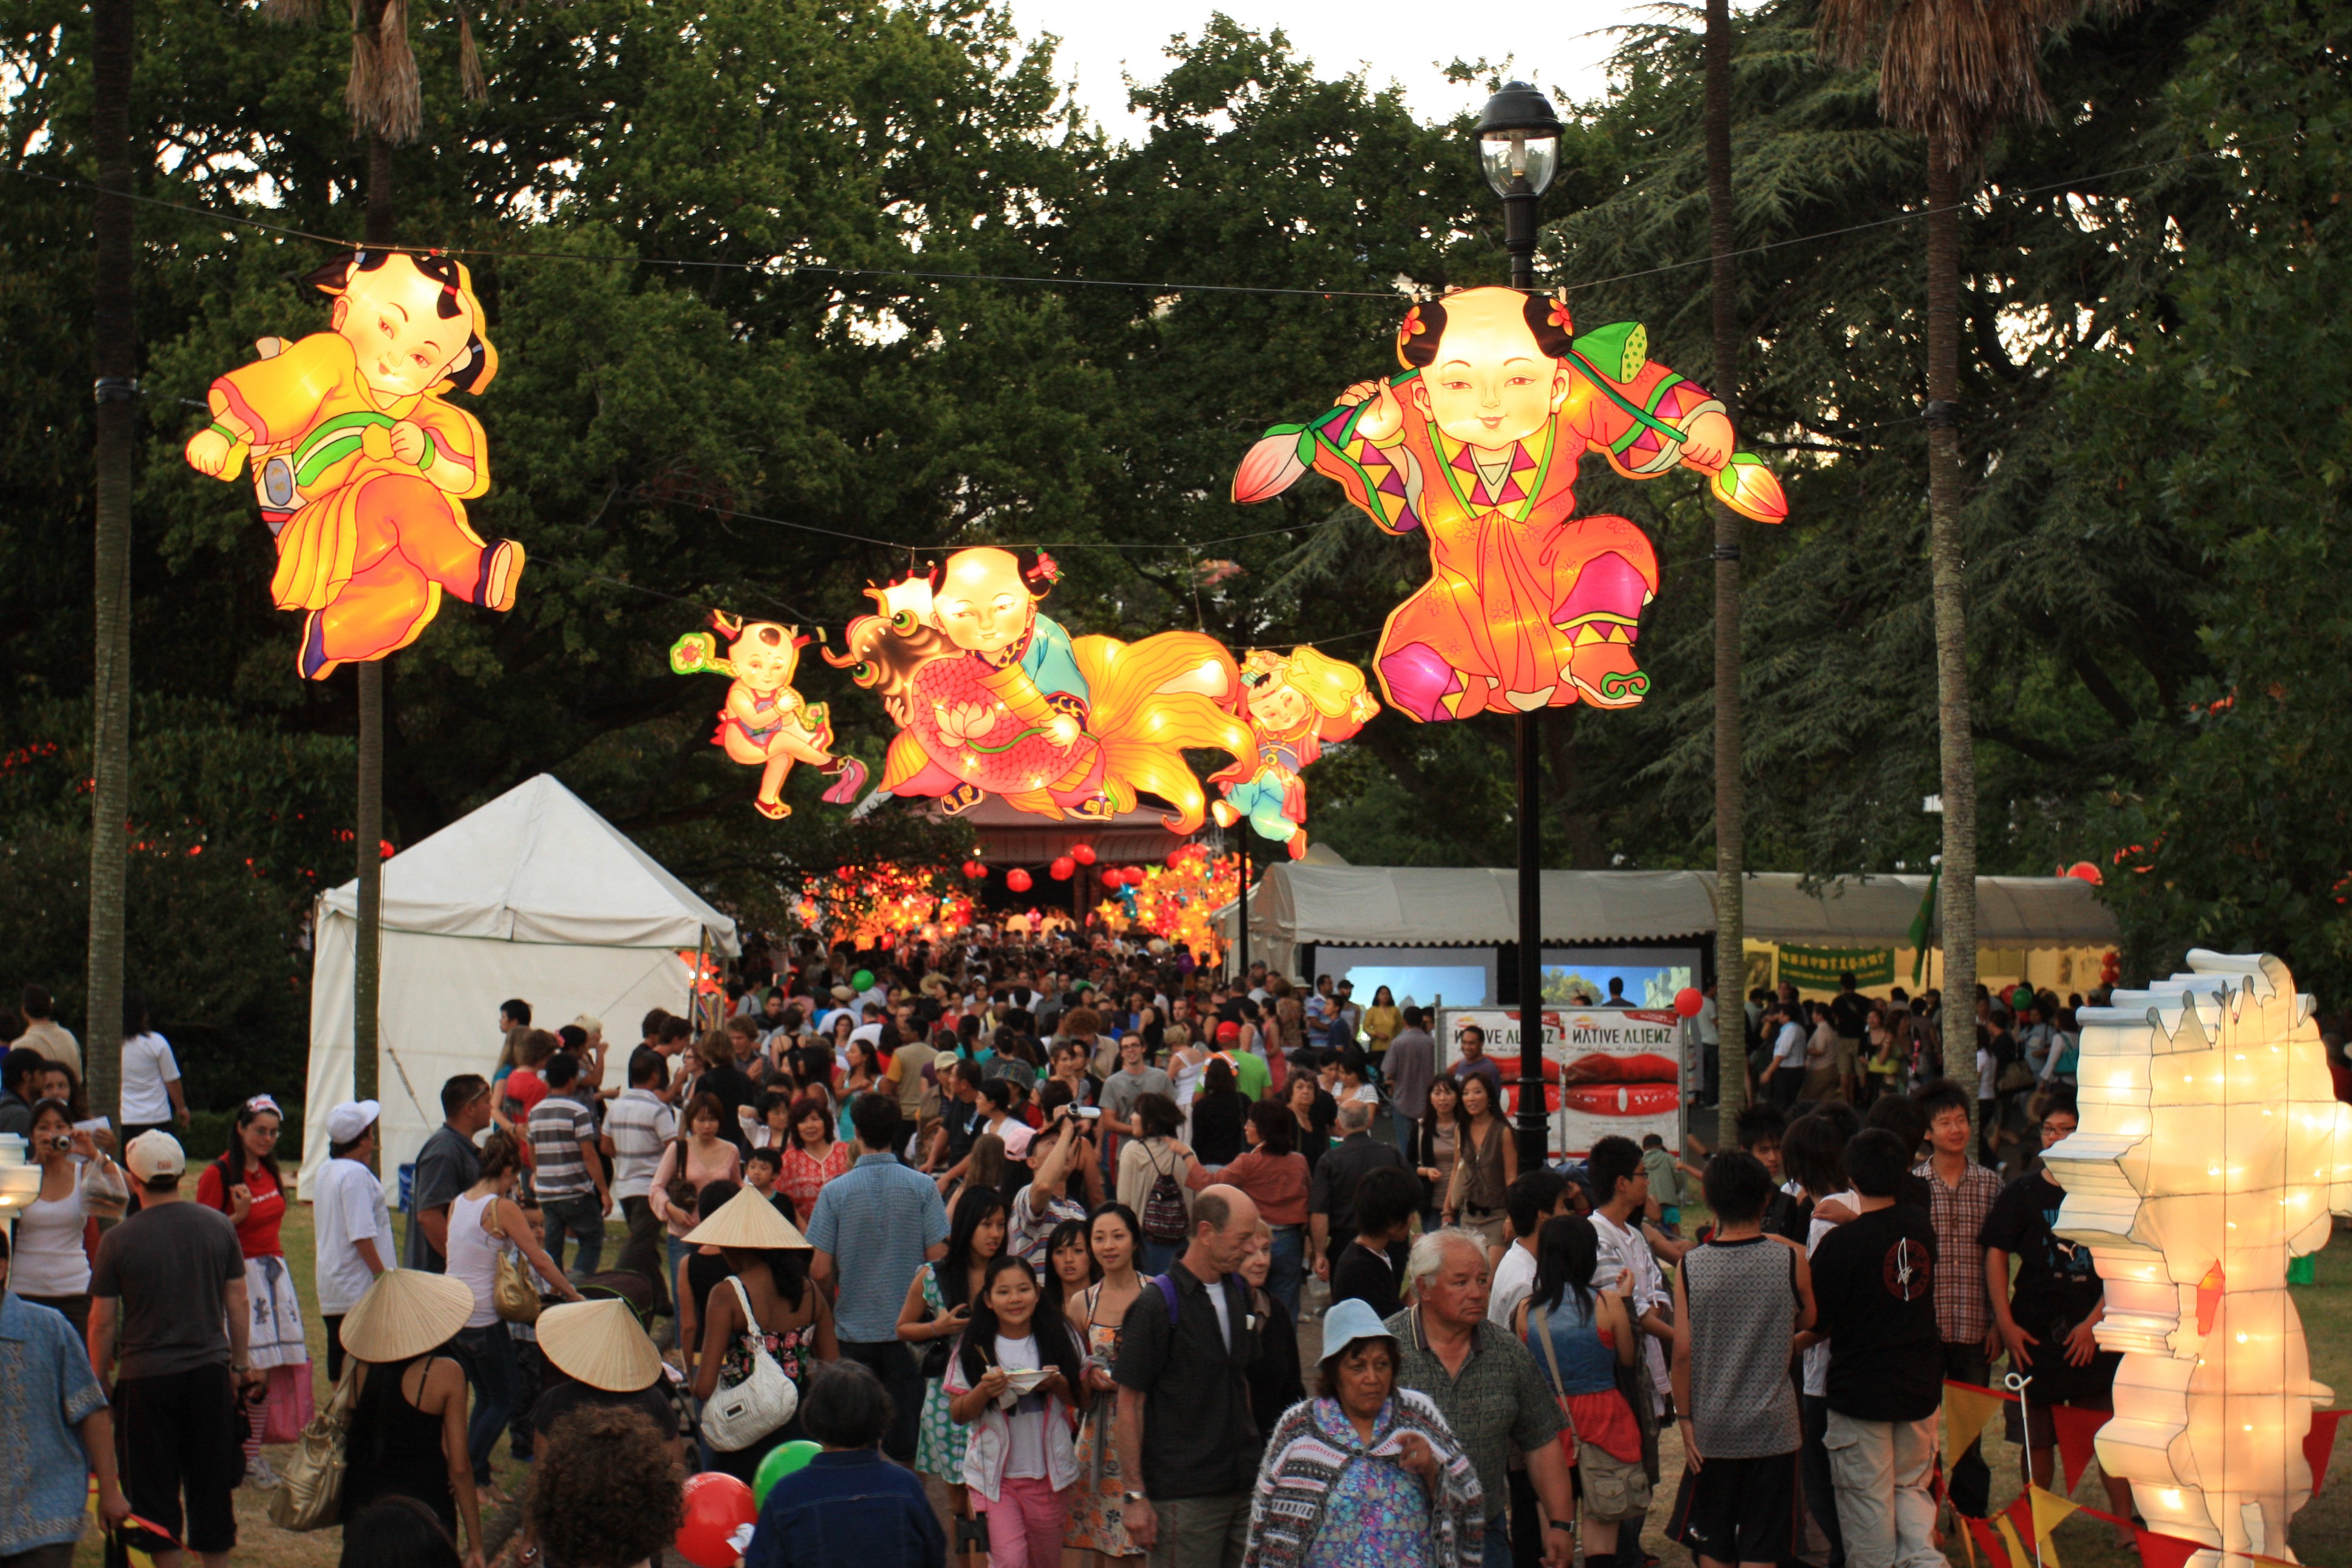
x=2211 y=1149
x=362 y=466
x=992 y=697
x=1477 y=445
x=764 y=722
x=1295 y=702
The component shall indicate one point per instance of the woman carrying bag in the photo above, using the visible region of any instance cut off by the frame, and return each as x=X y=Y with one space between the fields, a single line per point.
x=407 y=1431
x=763 y=1327
x=486 y=1228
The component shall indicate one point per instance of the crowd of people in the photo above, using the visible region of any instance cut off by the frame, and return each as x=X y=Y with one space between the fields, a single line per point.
x=1056 y=1225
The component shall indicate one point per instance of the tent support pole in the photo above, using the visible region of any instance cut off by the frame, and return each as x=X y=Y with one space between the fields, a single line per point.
x=694 y=981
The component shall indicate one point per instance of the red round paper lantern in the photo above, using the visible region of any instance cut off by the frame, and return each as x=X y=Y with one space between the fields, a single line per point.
x=1688 y=1001
x=1063 y=868
x=1113 y=877
x=974 y=870
x=1018 y=879
x=717 y=1505
x=1084 y=854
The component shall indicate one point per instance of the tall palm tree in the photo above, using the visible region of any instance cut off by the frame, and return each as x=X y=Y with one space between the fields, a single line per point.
x=1957 y=71
x=115 y=359
x=387 y=106
x=1730 y=792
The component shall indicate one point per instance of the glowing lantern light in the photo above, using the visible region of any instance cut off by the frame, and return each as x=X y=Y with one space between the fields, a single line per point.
x=1018 y=881
x=2192 y=1191
x=311 y=415
x=764 y=722
x=1526 y=606
x=1063 y=868
x=1294 y=704
x=1084 y=854
x=992 y=702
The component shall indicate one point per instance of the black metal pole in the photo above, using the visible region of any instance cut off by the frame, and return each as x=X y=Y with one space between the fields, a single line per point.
x=1519 y=240
x=1241 y=971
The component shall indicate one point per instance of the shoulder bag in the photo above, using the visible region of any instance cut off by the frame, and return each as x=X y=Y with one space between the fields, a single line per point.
x=735 y=1418
x=513 y=1292
x=309 y=1492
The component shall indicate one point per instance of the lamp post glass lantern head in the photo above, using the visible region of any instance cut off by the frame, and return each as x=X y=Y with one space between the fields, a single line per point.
x=1518 y=139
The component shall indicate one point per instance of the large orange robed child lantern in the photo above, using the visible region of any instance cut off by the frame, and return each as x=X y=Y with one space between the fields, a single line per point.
x=362 y=466
x=1476 y=447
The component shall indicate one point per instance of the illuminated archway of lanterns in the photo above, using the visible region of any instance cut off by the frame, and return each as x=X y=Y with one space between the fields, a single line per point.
x=880 y=905
x=1174 y=898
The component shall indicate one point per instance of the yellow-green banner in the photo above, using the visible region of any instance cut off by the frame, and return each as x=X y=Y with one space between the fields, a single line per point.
x=1818 y=968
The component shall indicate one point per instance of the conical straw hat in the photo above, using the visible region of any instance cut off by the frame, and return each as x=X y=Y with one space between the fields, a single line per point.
x=405 y=1314
x=600 y=1344
x=746 y=1220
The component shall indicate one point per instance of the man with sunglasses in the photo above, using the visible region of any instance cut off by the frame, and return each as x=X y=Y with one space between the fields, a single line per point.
x=445 y=1167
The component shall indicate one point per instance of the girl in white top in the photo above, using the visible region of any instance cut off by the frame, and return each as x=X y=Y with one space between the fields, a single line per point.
x=1012 y=1381
x=151 y=1076
x=50 y=1268
x=484 y=1220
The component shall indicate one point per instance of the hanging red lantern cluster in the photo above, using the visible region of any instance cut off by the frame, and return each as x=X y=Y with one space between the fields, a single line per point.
x=1018 y=881
x=1084 y=854
x=974 y=870
x=1063 y=868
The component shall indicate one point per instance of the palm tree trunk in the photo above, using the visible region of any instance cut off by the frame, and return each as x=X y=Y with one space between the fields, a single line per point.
x=114 y=343
x=367 y=965
x=1730 y=793
x=1948 y=561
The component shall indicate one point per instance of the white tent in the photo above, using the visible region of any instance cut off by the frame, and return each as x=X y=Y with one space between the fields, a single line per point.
x=532 y=896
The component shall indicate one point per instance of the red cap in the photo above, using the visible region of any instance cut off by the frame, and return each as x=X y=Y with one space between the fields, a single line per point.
x=1228 y=1031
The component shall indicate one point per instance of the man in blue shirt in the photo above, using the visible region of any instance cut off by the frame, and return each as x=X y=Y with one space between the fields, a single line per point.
x=875 y=1225
x=51 y=1402
x=847 y=1505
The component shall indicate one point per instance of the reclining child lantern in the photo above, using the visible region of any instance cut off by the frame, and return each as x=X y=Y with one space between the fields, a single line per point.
x=362 y=468
x=2211 y=1149
x=1477 y=445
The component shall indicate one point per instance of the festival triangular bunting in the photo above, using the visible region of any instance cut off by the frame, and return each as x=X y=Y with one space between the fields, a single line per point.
x=2050 y=1511
x=1996 y=1555
x=1966 y=1408
x=2018 y=1554
x=2160 y=1551
x=2076 y=1430
x=2320 y=1442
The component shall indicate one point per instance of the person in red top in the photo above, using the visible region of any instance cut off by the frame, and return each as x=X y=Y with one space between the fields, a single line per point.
x=245 y=1185
x=522 y=1091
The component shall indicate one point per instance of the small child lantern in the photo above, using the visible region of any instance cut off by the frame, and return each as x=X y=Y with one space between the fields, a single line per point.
x=765 y=723
x=1295 y=704
x=2211 y=1148
x=362 y=468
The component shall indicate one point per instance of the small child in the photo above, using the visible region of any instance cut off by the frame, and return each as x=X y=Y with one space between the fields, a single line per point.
x=1665 y=1208
x=1013 y=1376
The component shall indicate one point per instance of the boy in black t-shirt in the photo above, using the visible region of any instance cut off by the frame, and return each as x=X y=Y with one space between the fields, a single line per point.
x=1874 y=1291
x=2047 y=1314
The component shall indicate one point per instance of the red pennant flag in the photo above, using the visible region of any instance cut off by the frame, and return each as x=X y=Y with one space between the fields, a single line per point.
x=1995 y=1552
x=2077 y=1429
x=2159 y=1551
x=2320 y=1442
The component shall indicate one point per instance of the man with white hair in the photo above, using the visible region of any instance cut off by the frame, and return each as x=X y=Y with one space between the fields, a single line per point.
x=1486 y=1385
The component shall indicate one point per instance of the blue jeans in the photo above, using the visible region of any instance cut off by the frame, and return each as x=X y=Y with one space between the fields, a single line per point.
x=490 y=1363
x=1498 y=1542
x=1404 y=1128
x=582 y=1217
x=1288 y=1272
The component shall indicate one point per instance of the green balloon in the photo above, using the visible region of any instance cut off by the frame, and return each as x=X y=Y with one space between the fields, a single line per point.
x=861 y=980
x=782 y=1462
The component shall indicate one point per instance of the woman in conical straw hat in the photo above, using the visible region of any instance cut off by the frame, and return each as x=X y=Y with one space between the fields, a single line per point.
x=604 y=1361
x=790 y=1318
x=408 y=1434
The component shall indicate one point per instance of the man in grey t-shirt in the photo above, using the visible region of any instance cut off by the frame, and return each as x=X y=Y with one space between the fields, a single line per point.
x=445 y=1167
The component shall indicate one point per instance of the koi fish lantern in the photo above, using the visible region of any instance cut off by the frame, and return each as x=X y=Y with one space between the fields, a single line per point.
x=1476 y=446
x=362 y=466
x=992 y=697
x=1295 y=703
x=2211 y=1149
x=764 y=722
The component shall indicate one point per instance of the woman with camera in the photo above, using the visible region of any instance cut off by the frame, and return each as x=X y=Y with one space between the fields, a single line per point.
x=51 y=1269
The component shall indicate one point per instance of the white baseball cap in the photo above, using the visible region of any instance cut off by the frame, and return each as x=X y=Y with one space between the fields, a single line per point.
x=352 y=1117
x=155 y=1154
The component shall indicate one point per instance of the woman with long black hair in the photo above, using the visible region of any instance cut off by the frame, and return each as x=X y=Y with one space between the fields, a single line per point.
x=939 y=1304
x=245 y=1185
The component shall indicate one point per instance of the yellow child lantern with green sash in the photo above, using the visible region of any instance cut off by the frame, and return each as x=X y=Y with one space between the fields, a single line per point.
x=765 y=723
x=362 y=466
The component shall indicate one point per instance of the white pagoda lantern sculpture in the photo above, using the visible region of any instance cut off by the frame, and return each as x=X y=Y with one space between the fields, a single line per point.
x=2211 y=1149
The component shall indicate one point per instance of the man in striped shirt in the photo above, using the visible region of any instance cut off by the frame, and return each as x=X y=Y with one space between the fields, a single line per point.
x=570 y=1180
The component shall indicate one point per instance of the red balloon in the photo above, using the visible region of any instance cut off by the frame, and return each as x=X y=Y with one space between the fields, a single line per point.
x=716 y=1506
x=1062 y=870
x=1084 y=854
x=1018 y=879
x=1688 y=1001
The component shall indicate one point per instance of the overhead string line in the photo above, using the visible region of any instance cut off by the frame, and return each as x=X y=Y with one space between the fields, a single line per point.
x=770 y=260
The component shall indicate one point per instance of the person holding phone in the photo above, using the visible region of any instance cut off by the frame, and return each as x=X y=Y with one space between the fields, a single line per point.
x=938 y=1306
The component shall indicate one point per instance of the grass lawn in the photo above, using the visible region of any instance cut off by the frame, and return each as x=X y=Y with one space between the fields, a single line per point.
x=2322 y=1535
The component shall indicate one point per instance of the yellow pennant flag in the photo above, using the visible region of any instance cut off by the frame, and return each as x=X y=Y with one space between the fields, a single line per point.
x=1966 y=1411
x=2018 y=1554
x=2050 y=1511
